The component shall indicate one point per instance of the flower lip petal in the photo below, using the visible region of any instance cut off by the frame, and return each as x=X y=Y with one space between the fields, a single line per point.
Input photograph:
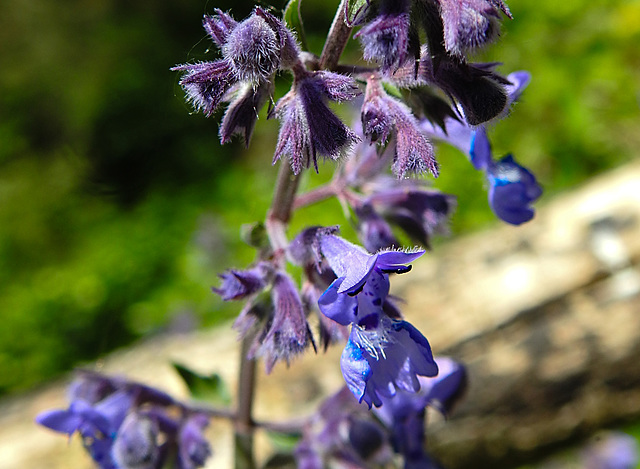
x=392 y=260
x=343 y=309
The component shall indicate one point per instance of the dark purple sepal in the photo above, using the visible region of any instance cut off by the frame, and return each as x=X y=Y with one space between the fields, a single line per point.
x=219 y=26
x=373 y=230
x=206 y=83
x=239 y=284
x=287 y=334
x=241 y=115
x=469 y=24
x=194 y=448
x=385 y=40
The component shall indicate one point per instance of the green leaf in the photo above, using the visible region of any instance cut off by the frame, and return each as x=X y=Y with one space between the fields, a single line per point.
x=283 y=442
x=293 y=18
x=355 y=10
x=209 y=388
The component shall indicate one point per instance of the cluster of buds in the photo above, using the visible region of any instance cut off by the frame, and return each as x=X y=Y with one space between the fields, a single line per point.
x=126 y=425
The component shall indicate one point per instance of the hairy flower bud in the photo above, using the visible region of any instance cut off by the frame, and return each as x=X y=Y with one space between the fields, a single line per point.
x=252 y=48
x=135 y=445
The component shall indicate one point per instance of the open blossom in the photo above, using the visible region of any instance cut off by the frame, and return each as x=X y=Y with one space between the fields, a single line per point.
x=382 y=354
x=512 y=190
x=404 y=413
x=384 y=116
x=512 y=187
x=308 y=127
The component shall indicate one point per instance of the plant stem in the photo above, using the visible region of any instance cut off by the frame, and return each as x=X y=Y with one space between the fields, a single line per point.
x=277 y=220
x=337 y=39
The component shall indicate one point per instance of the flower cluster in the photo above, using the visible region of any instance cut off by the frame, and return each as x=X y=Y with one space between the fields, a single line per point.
x=345 y=433
x=129 y=425
x=383 y=354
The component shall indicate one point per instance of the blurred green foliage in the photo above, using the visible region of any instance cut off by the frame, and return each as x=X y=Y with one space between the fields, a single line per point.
x=118 y=207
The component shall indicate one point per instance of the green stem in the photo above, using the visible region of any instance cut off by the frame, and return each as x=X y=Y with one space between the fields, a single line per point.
x=277 y=220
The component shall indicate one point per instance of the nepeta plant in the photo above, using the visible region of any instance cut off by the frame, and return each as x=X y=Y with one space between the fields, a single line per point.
x=385 y=160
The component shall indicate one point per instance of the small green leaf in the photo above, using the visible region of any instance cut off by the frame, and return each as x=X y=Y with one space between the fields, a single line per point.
x=283 y=442
x=392 y=90
x=255 y=235
x=356 y=10
x=293 y=18
x=209 y=388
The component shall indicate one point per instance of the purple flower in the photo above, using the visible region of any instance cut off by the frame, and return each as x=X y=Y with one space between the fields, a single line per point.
x=194 y=449
x=135 y=445
x=242 y=113
x=469 y=24
x=382 y=358
x=381 y=115
x=308 y=127
x=342 y=433
x=419 y=212
x=354 y=266
x=96 y=423
x=124 y=427
x=512 y=189
x=287 y=332
x=238 y=284
x=404 y=413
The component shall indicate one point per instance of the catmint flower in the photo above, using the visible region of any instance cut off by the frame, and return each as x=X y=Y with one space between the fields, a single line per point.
x=469 y=24
x=308 y=127
x=384 y=356
x=420 y=213
x=404 y=413
x=385 y=39
x=381 y=115
x=343 y=433
x=97 y=423
x=238 y=284
x=512 y=189
x=130 y=425
x=242 y=113
x=194 y=449
x=354 y=266
x=135 y=446
x=286 y=333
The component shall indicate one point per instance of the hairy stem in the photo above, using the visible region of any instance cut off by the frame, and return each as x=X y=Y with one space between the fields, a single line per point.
x=337 y=39
x=278 y=217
